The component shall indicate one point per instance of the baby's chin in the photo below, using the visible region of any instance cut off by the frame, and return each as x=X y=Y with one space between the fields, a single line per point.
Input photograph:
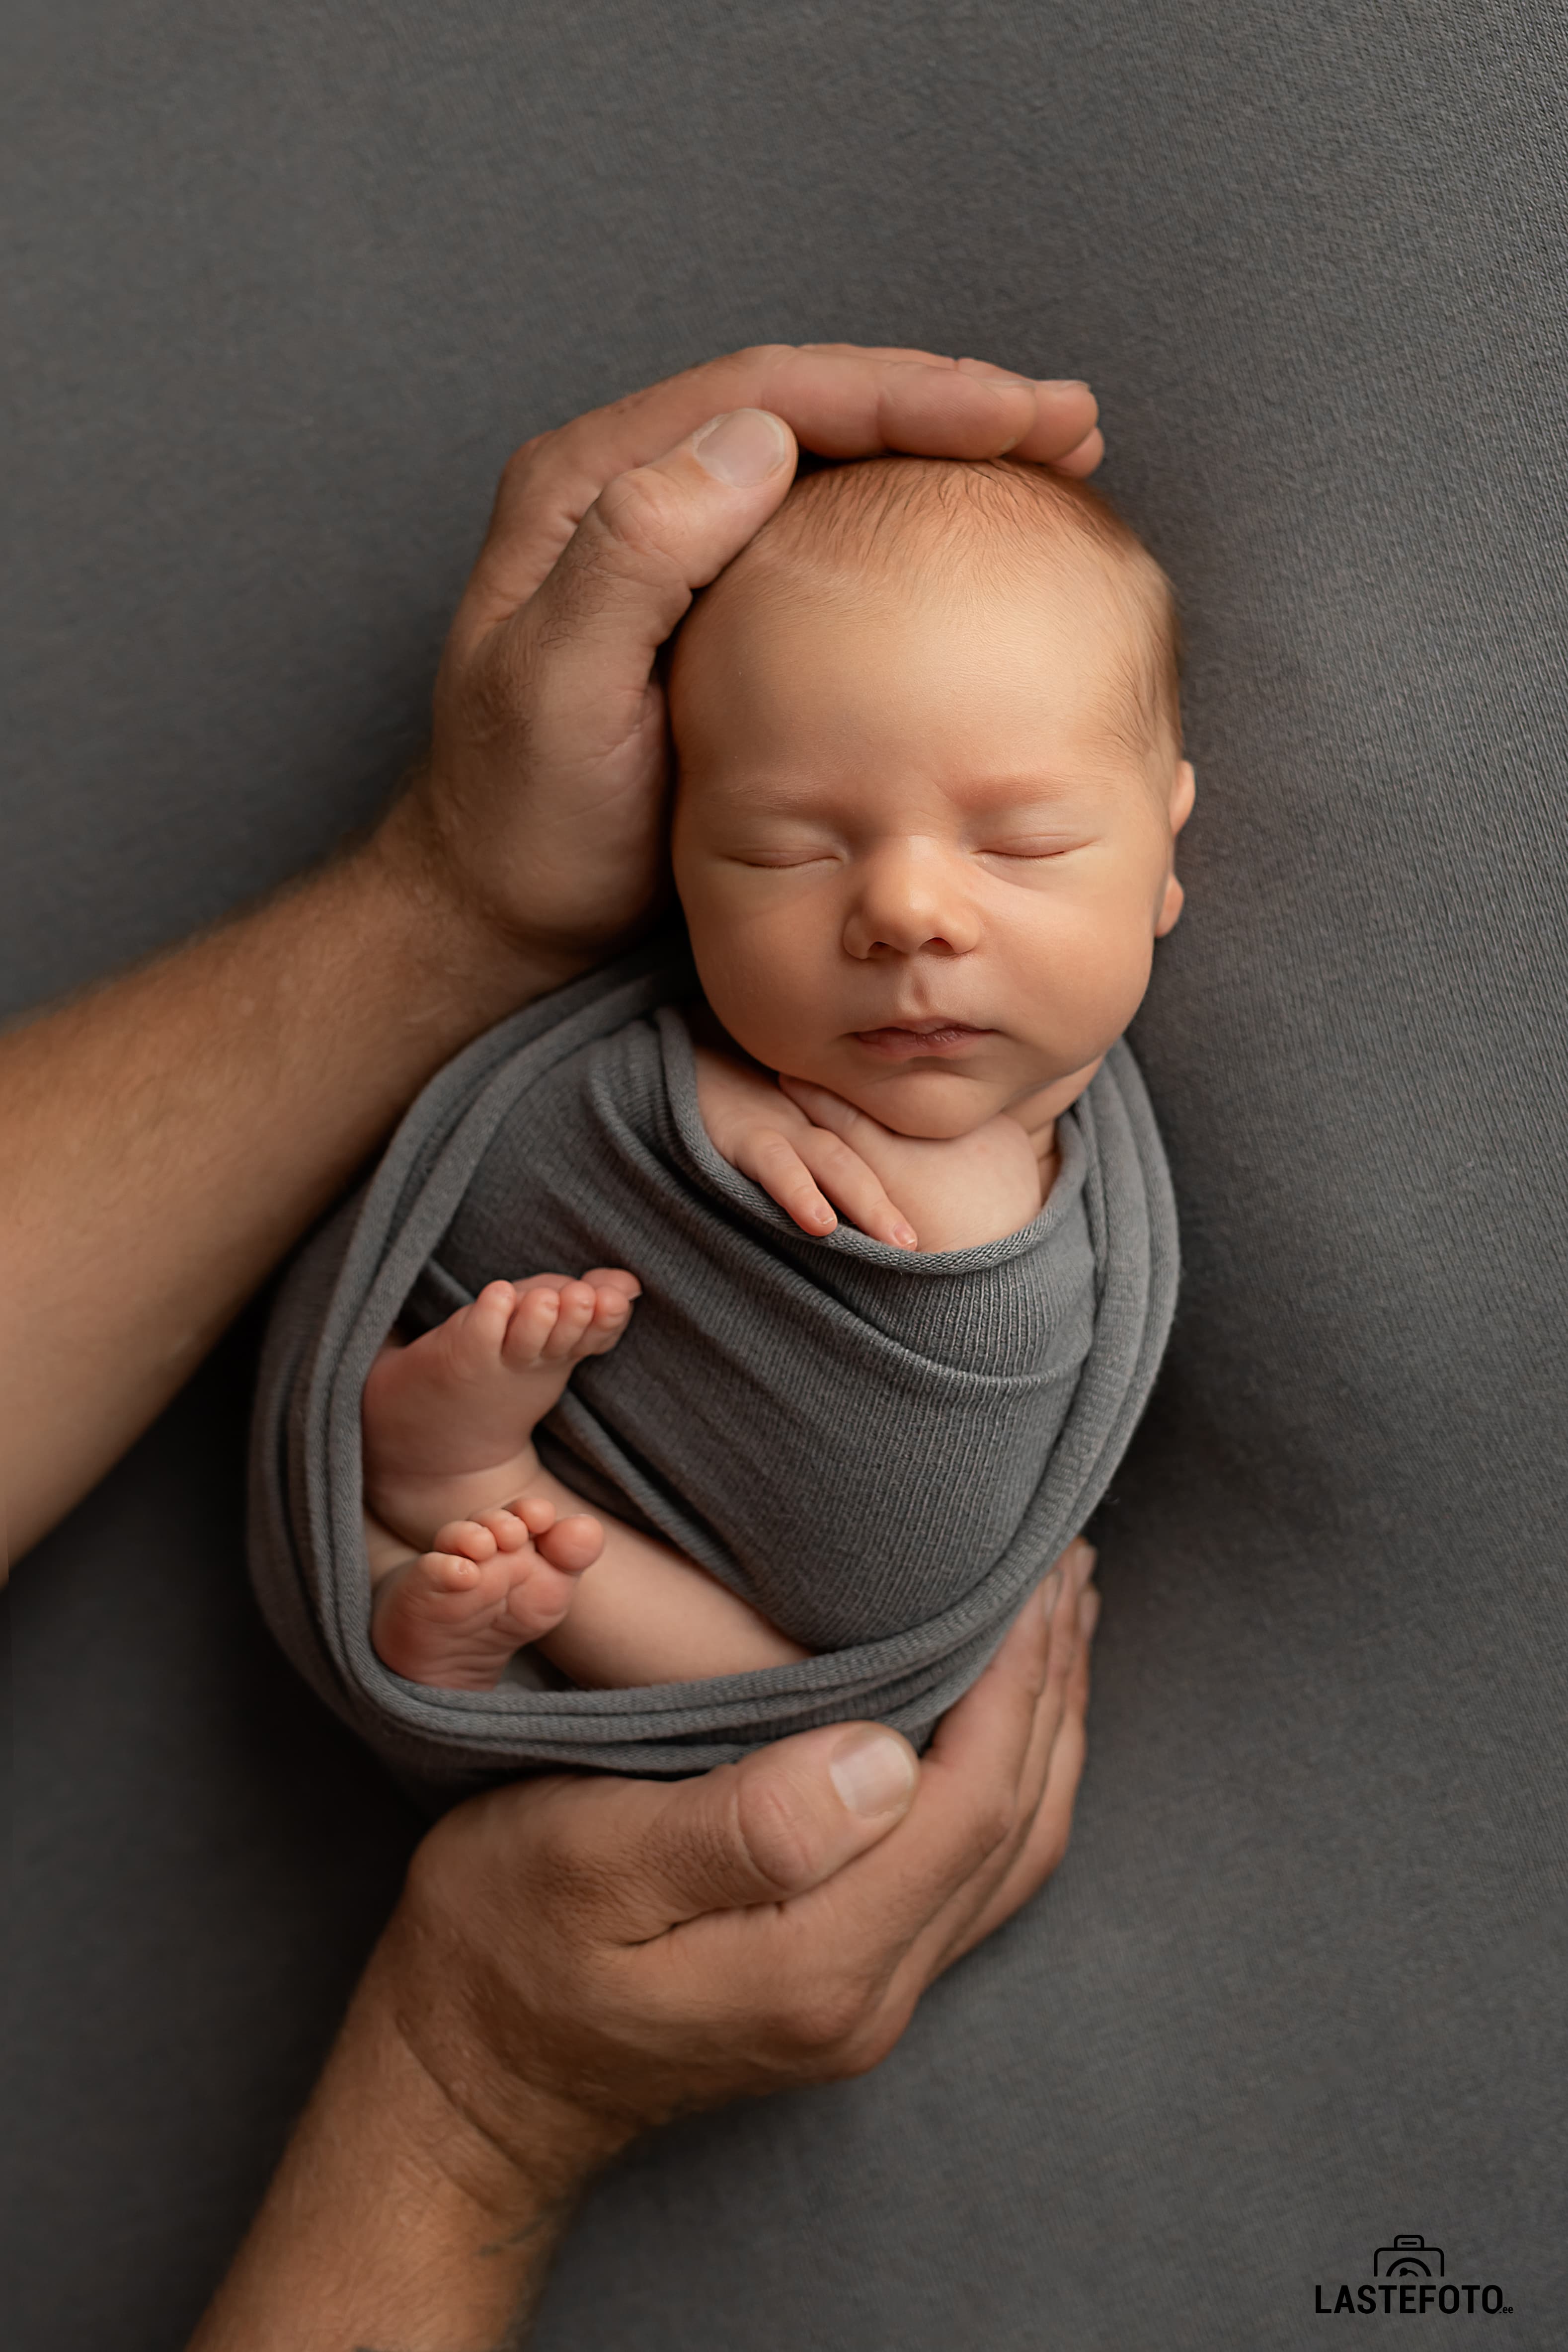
x=932 y=1104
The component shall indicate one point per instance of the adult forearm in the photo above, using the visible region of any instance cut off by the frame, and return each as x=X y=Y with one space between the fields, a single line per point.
x=165 y=1138
x=393 y=2224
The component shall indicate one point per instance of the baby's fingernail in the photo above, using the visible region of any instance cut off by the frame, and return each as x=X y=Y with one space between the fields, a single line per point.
x=1088 y=1611
x=874 y=1772
x=742 y=449
x=1051 y=1594
x=906 y=1236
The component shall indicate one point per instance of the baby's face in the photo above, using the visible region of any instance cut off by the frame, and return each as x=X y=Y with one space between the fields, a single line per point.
x=922 y=862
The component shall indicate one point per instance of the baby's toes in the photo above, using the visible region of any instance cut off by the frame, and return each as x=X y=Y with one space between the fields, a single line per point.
x=613 y=1277
x=510 y=1525
x=471 y=1540
x=536 y=1600
x=571 y=1544
x=532 y=1326
x=444 y=1573
x=475 y=1334
x=575 y=1313
x=612 y=1313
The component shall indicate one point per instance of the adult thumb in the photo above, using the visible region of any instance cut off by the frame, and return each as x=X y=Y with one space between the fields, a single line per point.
x=652 y=538
x=776 y=1824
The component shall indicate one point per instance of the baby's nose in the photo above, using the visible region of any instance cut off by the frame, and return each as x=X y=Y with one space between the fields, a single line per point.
x=912 y=900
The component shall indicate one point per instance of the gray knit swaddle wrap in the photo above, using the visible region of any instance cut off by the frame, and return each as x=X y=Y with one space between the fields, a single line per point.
x=883 y=1453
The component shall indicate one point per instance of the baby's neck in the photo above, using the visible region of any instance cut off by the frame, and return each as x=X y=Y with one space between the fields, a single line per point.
x=1037 y=1116
x=960 y=1190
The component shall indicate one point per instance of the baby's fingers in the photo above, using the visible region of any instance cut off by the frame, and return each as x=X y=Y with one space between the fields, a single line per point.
x=771 y=1160
x=854 y=1190
x=822 y=1106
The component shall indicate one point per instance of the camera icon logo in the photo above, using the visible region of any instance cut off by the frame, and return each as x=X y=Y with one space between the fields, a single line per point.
x=1408 y=2258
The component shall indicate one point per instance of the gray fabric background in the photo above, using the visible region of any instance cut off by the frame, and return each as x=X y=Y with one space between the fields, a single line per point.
x=296 y=280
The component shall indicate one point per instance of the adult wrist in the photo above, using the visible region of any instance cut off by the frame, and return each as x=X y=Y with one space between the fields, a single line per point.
x=513 y=2145
x=470 y=945
x=395 y=2215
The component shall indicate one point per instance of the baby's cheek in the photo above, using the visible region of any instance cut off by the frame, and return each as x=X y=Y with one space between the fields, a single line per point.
x=762 y=971
x=1090 y=983
x=747 y=999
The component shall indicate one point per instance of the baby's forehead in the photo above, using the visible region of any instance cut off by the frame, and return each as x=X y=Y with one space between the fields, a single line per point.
x=856 y=542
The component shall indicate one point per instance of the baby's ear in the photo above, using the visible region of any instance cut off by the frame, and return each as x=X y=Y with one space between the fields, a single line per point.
x=1183 y=792
x=1171 y=906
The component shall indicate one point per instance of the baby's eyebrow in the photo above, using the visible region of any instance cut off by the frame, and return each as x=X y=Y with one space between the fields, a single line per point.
x=993 y=801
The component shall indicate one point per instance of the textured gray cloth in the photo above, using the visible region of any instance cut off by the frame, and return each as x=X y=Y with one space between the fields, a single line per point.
x=880 y=1452
x=298 y=279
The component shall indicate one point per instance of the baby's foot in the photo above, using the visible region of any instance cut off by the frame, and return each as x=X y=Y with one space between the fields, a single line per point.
x=452 y=1618
x=447 y=1421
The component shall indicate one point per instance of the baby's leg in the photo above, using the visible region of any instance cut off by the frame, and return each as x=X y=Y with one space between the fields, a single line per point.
x=474 y=1549
x=451 y=1617
x=448 y=1420
x=645 y=1613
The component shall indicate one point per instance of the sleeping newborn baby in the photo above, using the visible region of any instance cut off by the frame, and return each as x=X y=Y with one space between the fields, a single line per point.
x=929 y=781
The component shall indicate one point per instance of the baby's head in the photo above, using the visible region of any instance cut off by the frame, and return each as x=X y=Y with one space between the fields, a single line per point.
x=930 y=781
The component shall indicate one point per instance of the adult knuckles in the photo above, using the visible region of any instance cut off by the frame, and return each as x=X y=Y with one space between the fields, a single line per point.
x=763 y=355
x=520 y=489
x=738 y=377
x=616 y=548
x=645 y=513
x=826 y=2016
x=527 y=454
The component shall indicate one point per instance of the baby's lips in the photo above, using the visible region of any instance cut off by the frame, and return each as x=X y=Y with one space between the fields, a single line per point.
x=899 y=1040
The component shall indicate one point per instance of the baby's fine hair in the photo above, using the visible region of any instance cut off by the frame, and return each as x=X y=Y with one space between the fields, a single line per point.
x=878 y=515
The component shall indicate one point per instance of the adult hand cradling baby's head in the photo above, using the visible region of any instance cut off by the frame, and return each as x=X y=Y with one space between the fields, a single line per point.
x=541 y=807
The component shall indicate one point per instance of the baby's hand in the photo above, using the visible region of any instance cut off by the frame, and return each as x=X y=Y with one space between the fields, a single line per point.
x=804 y=1166
x=963 y=1188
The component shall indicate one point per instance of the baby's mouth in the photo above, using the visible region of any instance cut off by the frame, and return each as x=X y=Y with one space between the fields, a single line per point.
x=904 y=1041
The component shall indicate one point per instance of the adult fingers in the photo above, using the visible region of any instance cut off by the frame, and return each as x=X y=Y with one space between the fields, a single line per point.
x=957 y=1924
x=963 y=1817
x=652 y=534
x=1044 y=1845
x=773 y=1827
x=1083 y=459
x=832 y=1966
x=1063 y=433
x=838 y=400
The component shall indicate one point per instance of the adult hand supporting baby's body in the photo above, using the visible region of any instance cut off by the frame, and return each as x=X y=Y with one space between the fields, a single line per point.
x=576 y=1960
